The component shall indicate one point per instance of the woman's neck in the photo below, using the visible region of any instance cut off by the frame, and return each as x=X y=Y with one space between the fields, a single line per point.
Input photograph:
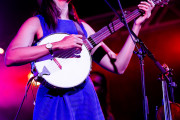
x=63 y=6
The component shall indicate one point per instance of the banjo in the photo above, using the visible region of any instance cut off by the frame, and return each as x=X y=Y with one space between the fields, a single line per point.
x=69 y=68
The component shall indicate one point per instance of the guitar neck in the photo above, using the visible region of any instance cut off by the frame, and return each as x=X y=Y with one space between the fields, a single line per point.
x=167 y=108
x=110 y=29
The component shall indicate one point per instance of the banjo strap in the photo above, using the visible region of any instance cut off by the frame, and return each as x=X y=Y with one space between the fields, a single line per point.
x=80 y=29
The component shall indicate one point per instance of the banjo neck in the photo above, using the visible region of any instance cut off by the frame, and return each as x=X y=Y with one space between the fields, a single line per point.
x=114 y=26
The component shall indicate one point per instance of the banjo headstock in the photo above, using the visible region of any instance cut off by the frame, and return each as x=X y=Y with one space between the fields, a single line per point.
x=161 y=2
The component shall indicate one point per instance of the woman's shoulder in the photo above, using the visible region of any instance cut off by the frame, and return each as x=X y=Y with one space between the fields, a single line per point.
x=88 y=28
x=32 y=22
x=32 y=25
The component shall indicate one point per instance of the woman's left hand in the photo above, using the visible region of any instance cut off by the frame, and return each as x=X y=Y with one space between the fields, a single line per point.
x=147 y=8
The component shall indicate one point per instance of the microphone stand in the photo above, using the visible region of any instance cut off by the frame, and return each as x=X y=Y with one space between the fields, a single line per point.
x=25 y=95
x=141 y=54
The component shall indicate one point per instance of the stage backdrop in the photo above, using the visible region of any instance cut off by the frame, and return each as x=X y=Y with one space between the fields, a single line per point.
x=125 y=90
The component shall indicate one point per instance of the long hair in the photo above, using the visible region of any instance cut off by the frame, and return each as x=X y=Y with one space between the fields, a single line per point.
x=49 y=10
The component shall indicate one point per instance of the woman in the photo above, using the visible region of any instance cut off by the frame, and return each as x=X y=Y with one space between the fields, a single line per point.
x=58 y=16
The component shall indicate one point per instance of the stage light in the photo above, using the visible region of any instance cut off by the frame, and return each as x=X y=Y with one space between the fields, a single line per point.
x=1 y=51
x=35 y=83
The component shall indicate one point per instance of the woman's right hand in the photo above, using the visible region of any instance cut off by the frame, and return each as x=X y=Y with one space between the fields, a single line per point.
x=68 y=42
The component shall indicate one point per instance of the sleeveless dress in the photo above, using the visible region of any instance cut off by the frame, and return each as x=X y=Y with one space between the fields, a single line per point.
x=79 y=104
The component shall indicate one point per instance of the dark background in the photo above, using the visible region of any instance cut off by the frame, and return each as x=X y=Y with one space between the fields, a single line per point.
x=160 y=33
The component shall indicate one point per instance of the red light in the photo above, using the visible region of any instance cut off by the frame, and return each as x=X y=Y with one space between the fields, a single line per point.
x=1 y=51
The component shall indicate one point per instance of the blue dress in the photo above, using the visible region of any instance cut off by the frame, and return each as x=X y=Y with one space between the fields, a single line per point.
x=79 y=104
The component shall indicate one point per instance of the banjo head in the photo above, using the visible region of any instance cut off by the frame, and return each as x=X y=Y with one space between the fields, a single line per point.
x=70 y=67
